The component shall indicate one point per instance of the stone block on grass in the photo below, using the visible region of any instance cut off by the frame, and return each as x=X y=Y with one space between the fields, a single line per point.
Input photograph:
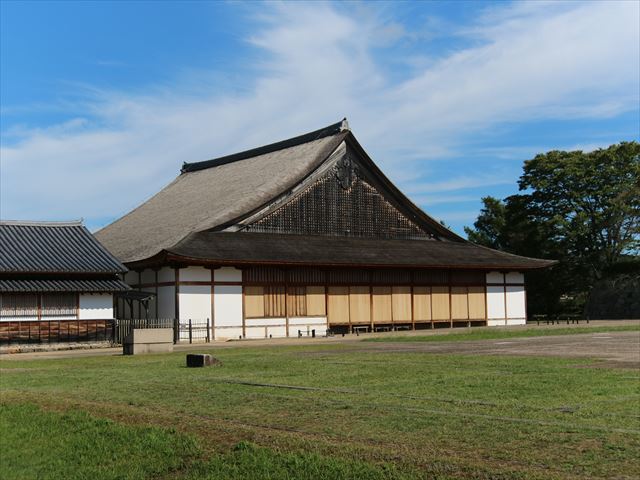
x=201 y=360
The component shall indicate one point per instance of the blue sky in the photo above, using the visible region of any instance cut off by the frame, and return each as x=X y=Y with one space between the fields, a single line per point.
x=102 y=102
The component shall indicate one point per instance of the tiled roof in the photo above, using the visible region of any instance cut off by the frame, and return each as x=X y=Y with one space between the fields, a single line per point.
x=263 y=248
x=53 y=247
x=56 y=285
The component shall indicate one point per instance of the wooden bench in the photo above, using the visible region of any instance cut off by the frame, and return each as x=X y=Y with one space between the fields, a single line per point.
x=360 y=328
x=397 y=328
x=385 y=328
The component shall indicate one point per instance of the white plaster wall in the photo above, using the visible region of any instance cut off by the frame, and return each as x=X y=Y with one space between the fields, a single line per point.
x=194 y=302
x=516 y=306
x=495 y=277
x=227 y=274
x=223 y=333
x=262 y=322
x=195 y=274
x=496 y=323
x=166 y=302
x=515 y=277
x=277 y=332
x=266 y=331
x=495 y=302
x=166 y=274
x=96 y=306
x=228 y=306
x=308 y=321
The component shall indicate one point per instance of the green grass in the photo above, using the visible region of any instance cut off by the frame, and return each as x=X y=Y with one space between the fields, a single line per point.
x=493 y=334
x=74 y=445
x=49 y=445
x=340 y=411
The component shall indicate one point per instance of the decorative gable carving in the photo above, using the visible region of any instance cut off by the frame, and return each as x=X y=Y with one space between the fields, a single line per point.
x=340 y=203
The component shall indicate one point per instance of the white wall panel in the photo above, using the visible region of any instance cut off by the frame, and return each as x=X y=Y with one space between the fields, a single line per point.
x=516 y=307
x=225 y=333
x=262 y=322
x=166 y=302
x=495 y=277
x=96 y=306
x=195 y=274
x=515 y=277
x=228 y=305
x=495 y=302
x=308 y=321
x=194 y=302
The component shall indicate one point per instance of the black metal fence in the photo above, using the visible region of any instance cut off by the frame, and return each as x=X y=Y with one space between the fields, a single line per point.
x=22 y=332
x=193 y=330
x=124 y=326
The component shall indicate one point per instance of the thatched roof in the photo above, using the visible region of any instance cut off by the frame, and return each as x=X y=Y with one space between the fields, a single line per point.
x=186 y=218
x=203 y=198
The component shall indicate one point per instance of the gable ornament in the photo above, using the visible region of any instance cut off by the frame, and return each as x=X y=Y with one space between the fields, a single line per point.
x=346 y=171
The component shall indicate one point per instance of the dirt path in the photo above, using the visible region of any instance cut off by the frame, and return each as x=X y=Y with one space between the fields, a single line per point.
x=620 y=347
x=617 y=348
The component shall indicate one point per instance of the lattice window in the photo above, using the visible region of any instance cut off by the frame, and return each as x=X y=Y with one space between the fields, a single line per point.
x=431 y=277
x=308 y=276
x=59 y=305
x=264 y=275
x=328 y=208
x=297 y=298
x=18 y=305
x=274 y=302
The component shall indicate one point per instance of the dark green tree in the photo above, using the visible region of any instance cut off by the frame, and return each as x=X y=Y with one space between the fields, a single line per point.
x=582 y=209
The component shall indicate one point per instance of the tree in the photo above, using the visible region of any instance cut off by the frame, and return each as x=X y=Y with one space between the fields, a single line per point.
x=580 y=208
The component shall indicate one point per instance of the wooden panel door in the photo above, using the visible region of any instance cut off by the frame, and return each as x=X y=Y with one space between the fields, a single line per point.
x=381 y=301
x=316 y=301
x=440 y=303
x=401 y=304
x=477 y=308
x=338 y=305
x=459 y=305
x=359 y=305
x=421 y=304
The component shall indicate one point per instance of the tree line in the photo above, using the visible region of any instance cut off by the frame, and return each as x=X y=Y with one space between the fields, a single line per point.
x=582 y=209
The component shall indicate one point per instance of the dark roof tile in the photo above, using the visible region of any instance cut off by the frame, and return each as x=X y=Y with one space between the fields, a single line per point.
x=56 y=285
x=30 y=247
x=248 y=248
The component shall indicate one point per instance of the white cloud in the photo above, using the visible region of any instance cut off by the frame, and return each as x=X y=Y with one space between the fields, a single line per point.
x=319 y=63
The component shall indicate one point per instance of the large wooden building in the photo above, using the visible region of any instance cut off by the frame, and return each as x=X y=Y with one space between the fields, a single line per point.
x=302 y=235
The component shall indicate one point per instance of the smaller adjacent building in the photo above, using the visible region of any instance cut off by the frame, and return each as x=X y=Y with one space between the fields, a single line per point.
x=55 y=276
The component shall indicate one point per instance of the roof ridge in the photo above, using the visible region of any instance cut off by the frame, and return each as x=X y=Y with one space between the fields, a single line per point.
x=42 y=223
x=332 y=129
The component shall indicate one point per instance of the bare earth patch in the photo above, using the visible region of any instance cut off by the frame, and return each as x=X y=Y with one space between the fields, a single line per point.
x=617 y=349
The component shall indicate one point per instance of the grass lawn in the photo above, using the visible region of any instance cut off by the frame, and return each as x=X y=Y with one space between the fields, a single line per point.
x=318 y=411
x=494 y=334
